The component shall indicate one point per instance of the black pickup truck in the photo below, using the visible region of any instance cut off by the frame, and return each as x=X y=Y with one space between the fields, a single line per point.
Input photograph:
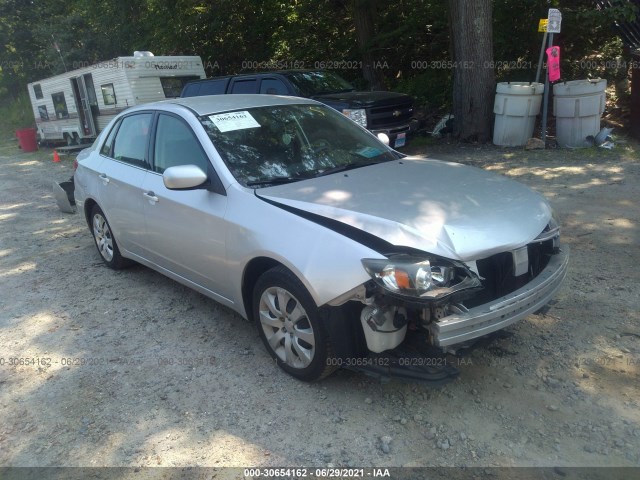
x=380 y=112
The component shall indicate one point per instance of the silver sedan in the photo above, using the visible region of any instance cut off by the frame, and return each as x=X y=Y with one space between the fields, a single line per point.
x=343 y=251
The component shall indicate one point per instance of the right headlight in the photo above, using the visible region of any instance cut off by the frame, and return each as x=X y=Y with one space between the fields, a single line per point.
x=358 y=115
x=427 y=278
x=551 y=231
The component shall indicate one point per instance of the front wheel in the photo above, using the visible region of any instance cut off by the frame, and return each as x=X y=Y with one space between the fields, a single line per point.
x=288 y=323
x=105 y=241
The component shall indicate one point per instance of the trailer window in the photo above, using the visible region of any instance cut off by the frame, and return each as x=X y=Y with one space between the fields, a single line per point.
x=172 y=86
x=60 y=105
x=37 y=89
x=42 y=110
x=108 y=94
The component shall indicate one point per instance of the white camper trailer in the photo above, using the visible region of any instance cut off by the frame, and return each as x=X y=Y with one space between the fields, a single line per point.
x=75 y=106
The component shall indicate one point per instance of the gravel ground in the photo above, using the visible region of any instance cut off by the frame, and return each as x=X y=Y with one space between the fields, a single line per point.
x=104 y=368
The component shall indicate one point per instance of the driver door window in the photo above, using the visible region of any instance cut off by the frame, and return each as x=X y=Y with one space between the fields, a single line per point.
x=176 y=144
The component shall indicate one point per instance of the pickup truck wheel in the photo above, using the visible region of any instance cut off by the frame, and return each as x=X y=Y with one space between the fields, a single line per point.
x=288 y=323
x=105 y=241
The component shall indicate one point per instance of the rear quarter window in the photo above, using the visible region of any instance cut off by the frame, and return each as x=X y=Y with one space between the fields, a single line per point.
x=214 y=87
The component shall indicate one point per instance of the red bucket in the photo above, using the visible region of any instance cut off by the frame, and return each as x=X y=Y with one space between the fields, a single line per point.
x=27 y=139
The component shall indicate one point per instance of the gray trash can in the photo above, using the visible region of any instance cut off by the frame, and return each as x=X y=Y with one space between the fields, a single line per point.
x=516 y=106
x=578 y=107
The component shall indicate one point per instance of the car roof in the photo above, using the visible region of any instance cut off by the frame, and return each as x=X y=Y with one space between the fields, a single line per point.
x=223 y=103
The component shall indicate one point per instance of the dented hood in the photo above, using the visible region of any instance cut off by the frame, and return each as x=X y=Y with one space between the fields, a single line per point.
x=443 y=208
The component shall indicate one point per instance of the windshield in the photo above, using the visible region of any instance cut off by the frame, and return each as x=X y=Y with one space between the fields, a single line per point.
x=318 y=83
x=285 y=143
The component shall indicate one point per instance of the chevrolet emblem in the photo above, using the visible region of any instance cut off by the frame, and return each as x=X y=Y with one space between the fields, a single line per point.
x=397 y=113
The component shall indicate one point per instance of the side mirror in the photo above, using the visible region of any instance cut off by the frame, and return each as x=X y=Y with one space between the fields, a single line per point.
x=183 y=177
x=384 y=138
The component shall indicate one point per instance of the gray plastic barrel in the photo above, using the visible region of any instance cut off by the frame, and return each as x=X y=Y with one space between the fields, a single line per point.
x=578 y=106
x=516 y=106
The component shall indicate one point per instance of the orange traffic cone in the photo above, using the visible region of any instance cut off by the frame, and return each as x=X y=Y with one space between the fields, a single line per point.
x=56 y=157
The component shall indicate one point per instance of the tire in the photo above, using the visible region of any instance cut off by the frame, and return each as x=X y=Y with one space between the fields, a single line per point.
x=293 y=334
x=105 y=241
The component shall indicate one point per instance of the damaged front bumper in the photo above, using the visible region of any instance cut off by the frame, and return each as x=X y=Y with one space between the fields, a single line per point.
x=426 y=355
x=63 y=193
x=484 y=319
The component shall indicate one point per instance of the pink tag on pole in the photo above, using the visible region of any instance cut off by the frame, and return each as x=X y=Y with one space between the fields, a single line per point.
x=553 y=63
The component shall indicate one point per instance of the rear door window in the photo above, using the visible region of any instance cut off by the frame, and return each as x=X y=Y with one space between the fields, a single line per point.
x=273 y=86
x=245 y=86
x=132 y=139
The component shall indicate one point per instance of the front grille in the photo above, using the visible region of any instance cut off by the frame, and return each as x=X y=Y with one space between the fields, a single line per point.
x=389 y=116
x=497 y=272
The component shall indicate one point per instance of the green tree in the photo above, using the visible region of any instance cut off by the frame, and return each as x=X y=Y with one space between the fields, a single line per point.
x=473 y=77
x=409 y=42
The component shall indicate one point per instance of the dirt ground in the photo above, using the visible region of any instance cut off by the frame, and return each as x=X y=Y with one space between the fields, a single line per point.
x=104 y=368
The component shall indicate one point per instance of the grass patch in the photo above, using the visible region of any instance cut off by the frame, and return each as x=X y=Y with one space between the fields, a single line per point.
x=15 y=114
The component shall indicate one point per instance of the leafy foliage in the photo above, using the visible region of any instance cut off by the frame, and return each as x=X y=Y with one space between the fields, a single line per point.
x=410 y=45
x=16 y=114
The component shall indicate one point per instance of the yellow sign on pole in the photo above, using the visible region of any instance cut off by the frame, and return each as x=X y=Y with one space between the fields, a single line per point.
x=542 y=26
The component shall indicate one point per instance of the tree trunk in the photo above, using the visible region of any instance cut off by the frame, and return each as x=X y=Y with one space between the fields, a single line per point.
x=364 y=12
x=473 y=78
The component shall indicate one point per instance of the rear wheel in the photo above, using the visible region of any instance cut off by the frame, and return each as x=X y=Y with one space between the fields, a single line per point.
x=288 y=323
x=105 y=241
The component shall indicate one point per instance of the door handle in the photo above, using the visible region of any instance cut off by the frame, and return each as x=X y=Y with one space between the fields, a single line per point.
x=151 y=197
x=104 y=178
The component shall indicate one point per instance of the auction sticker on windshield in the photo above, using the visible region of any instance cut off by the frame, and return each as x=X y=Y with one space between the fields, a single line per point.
x=369 y=152
x=227 y=122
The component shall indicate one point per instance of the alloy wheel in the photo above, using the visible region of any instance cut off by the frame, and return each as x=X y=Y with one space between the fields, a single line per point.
x=286 y=327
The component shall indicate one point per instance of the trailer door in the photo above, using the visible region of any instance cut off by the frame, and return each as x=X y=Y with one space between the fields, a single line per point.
x=80 y=86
